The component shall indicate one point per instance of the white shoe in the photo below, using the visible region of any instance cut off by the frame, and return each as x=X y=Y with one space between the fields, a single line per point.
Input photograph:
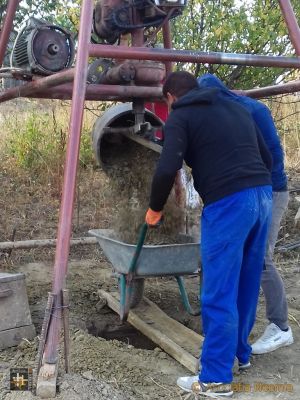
x=272 y=339
x=186 y=382
x=191 y=384
x=243 y=367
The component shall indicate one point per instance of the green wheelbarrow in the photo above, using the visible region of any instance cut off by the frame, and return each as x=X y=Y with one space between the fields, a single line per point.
x=134 y=263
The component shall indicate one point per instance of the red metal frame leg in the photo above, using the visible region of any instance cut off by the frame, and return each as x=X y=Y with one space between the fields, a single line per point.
x=292 y=23
x=68 y=195
x=167 y=38
x=7 y=27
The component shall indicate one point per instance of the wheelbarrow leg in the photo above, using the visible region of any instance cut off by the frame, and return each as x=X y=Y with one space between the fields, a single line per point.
x=185 y=298
x=126 y=283
x=123 y=291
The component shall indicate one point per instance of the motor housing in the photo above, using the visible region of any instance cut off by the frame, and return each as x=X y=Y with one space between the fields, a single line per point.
x=42 y=48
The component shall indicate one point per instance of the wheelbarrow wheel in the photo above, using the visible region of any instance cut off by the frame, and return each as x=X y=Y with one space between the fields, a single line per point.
x=137 y=291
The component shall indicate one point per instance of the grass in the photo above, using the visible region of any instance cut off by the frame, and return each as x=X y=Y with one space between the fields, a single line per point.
x=33 y=142
x=34 y=134
x=36 y=137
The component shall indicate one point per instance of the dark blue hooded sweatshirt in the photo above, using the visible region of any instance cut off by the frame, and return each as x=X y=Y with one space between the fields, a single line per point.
x=263 y=119
x=219 y=140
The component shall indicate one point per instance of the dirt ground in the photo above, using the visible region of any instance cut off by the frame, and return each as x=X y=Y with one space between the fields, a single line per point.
x=110 y=360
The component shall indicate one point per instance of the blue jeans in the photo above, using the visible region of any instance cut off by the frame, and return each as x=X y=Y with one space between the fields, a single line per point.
x=233 y=243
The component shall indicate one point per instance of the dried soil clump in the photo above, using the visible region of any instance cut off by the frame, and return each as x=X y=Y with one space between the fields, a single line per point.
x=130 y=169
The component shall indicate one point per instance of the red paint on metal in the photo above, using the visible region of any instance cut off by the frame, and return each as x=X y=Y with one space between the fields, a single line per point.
x=28 y=89
x=290 y=87
x=7 y=27
x=95 y=92
x=68 y=195
x=156 y=54
x=167 y=39
x=292 y=23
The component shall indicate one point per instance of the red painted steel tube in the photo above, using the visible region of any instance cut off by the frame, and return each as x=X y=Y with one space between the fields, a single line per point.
x=167 y=38
x=7 y=27
x=126 y=93
x=41 y=84
x=156 y=54
x=292 y=23
x=103 y=92
x=68 y=195
x=290 y=87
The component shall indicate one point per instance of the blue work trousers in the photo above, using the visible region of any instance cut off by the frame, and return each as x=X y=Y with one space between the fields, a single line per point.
x=233 y=243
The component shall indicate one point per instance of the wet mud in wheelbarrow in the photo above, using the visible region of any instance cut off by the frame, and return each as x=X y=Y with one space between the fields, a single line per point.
x=175 y=260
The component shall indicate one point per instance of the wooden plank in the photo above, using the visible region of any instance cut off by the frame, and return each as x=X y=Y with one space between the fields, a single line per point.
x=177 y=340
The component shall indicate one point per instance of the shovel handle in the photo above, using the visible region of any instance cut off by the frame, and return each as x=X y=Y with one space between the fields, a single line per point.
x=139 y=246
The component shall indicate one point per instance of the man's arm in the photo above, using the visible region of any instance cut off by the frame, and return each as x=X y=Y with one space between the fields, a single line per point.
x=171 y=159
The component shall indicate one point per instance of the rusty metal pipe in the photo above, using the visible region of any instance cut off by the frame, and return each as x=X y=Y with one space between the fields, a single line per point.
x=68 y=195
x=156 y=54
x=95 y=92
x=28 y=89
x=7 y=27
x=290 y=87
x=292 y=23
x=103 y=92
x=167 y=39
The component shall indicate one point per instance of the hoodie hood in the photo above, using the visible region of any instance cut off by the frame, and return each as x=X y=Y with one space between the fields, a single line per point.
x=198 y=95
x=211 y=81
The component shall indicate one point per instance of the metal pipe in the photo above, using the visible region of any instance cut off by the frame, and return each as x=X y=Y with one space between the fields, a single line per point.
x=137 y=36
x=292 y=23
x=290 y=87
x=156 y=54
x=7 y=27
x=41 y=84
x=95 y=92
x=167 y=39
x=68 y=194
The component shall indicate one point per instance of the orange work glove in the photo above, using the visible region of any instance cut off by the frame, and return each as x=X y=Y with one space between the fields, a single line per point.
x=153 y=218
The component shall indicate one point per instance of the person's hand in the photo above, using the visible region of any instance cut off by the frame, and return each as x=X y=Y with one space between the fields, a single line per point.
x=153 y=218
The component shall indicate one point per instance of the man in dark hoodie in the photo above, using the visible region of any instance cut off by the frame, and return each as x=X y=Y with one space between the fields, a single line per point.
x=278 y=332
x=231 y=167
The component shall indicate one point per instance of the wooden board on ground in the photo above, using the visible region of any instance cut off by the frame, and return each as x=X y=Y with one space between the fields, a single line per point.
x=177 y=340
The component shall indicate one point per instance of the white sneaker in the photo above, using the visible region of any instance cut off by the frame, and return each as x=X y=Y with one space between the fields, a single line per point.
x=243 y=367
x=186 y=382
x=272 y=339
x=191 y=384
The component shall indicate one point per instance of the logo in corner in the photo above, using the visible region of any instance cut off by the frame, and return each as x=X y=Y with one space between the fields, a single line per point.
x=20 y=379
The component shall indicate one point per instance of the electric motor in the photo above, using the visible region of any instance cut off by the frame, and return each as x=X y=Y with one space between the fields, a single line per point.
x=42 y=48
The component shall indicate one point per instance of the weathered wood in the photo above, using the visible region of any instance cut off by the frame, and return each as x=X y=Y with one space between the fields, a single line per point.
x=30 y=244
x=177 y=340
